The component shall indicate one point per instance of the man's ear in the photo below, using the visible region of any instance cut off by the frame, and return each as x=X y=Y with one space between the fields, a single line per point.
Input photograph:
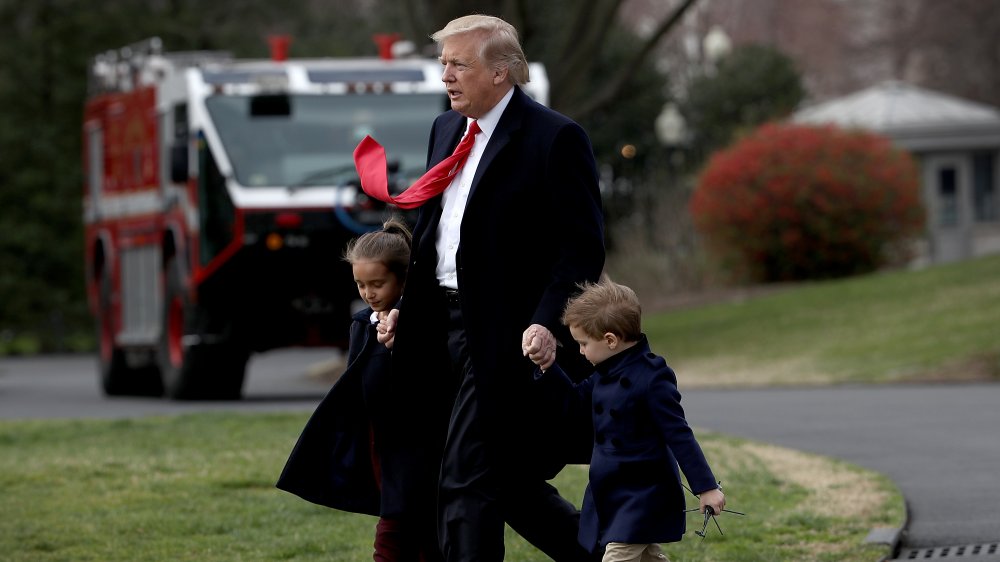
x=611 y=340
x=500 y=75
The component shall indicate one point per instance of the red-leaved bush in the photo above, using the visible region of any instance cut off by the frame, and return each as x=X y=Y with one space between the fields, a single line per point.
x=794 y=202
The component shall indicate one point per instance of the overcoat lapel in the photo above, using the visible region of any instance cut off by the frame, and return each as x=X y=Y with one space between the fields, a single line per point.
x=509 y=122
x=451 y=131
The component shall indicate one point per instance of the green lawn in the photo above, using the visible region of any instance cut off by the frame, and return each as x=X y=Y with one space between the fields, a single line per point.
x=938 y=323
x=201 y=488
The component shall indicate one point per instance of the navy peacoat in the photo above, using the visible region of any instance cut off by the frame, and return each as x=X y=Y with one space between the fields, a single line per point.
x=331 y=463
x=640 y=438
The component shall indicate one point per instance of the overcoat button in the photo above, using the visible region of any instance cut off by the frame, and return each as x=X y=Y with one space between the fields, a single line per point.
x=598 y=408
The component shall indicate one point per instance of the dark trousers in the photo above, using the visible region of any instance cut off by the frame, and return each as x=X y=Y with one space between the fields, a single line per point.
x=479 y=491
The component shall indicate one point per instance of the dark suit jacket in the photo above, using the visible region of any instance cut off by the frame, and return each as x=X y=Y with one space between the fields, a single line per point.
x=533 y=228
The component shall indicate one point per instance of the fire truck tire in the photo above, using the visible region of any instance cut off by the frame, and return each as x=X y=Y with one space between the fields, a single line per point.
x=118 y=378
x=201 y=370
x=208 y=372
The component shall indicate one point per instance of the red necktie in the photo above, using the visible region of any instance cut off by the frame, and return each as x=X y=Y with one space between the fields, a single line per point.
x=369 y=159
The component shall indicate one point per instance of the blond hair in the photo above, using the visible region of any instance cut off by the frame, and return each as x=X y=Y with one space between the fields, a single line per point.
x=604 y=307
x=390 y=246
x=500 y=46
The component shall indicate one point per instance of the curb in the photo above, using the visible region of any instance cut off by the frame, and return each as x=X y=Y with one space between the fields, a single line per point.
x=891 y=536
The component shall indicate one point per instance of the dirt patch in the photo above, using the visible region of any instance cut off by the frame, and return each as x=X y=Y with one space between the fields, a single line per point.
x=726 y=372
x=653 y=301
x=979 y=368
x=837 y=490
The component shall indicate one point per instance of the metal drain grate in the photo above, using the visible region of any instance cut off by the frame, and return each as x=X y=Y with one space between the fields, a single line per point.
x=987 y=551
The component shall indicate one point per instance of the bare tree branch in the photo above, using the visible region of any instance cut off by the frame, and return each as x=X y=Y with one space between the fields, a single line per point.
x=614 y=86
x=417 y=26
x=515 y=12
x=582 y=46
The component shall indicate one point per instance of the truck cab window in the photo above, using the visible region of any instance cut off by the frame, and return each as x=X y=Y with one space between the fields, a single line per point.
x=311 y=140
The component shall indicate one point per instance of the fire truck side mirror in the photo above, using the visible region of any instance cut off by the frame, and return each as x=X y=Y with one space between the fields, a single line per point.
x=179 y=162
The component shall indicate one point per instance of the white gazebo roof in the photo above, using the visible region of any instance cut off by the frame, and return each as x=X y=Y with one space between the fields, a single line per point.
x=915 y=118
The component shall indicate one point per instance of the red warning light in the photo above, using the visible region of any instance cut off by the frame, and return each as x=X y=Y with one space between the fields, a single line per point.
x=385 y=42
x=279 y=46
x=288 y=220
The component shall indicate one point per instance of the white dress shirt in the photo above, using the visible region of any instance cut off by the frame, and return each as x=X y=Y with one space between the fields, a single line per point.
x=456 y=195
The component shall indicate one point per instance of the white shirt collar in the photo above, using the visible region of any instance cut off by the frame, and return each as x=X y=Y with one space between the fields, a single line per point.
x=488 y=121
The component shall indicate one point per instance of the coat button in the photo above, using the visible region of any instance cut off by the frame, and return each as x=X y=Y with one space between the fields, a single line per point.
x=598 y=408
x=625 y=382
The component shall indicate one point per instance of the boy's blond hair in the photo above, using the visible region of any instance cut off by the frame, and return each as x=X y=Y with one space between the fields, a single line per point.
x=604 y=307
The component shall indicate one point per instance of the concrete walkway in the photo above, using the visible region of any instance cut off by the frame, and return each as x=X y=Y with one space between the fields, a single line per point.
x=939 y=443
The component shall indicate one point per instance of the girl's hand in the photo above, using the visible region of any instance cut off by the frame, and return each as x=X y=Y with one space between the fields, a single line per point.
x=386 y=327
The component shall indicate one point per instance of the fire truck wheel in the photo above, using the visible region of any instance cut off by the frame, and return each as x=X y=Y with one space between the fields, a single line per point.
x=190 y=367
x=118 y=378
x=209 y=372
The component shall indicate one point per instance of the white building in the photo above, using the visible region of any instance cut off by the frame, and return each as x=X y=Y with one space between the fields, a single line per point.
x=956 y=142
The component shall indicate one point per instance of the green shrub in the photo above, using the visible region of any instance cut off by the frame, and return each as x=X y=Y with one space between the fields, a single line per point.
x=792 y=202
x=752 y=85
x=12 y=343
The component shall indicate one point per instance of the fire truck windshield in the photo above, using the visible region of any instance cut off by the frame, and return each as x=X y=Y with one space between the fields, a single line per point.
x=313 y=141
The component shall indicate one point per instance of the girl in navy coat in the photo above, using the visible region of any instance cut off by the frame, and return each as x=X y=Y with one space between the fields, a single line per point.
x=634 y=499
x=363 y=450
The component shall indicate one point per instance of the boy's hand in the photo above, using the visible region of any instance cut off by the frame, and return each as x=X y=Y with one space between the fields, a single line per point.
x=712 y=499
x=539 y=345
x=387 y=327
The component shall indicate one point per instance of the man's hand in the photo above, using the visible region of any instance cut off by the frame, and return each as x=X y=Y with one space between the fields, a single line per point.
x=539 y=345
x=386 y=327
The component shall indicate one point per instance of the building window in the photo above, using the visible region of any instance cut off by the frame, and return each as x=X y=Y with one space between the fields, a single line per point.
x=947 y=197
x=984 y=187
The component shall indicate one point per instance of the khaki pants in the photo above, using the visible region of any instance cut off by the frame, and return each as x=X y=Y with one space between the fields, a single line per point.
x=622 y=552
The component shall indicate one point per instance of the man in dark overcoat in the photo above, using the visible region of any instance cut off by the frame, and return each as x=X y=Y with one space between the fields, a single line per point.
x=497 y=254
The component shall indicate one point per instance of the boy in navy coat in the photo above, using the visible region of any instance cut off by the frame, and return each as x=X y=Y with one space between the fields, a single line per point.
x=634 y=499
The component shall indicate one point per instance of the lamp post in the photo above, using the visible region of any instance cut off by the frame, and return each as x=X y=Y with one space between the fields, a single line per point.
x=716 y=45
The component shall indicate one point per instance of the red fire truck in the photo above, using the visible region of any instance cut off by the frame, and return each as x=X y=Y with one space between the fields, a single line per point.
x=219 y=195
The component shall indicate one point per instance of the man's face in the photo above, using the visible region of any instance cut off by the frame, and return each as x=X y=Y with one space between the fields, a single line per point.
x=473 y=87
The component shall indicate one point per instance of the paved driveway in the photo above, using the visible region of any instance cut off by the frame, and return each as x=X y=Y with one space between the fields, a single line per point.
x=940 y=444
